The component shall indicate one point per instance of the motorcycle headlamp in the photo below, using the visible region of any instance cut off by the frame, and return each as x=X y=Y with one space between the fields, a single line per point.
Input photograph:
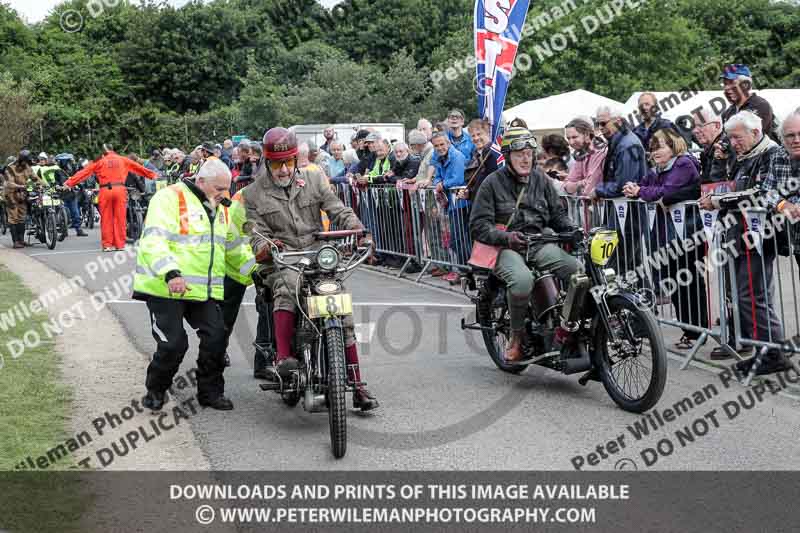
x=328 y=258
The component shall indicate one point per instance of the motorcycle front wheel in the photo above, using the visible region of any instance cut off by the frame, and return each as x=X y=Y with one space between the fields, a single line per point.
x=135 y=223
x=89 y=215
x=337 y=386
x=50 y=229
x=632 y=367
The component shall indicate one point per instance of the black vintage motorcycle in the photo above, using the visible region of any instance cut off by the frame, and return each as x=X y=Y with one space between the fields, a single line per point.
x=135 y=213
x=42 y=220
x=322 y=379
x=88 y=207
x=612 y=337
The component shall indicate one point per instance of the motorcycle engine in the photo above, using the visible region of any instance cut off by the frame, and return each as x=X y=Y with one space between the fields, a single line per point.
x=306 y=334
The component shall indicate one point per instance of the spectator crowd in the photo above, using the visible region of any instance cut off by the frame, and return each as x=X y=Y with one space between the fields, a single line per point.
x=415 y=194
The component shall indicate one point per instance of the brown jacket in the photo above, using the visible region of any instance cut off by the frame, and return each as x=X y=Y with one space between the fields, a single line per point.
x=16 y=197
x=293 y=218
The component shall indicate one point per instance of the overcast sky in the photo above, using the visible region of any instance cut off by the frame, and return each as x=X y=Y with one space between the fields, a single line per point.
x=36 y=10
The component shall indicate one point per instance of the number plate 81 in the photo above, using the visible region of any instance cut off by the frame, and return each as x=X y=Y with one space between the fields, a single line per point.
x=329 y=306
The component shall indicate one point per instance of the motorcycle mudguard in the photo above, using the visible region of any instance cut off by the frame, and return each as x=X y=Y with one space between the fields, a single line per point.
x=334 y=322
x=629 y=296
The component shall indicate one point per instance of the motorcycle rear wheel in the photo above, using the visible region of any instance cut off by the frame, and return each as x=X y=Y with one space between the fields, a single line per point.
x=497 y=340
x=337 y=386
x=633 y=374
x=62 y=223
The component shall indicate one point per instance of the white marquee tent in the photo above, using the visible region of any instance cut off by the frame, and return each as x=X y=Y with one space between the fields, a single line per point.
x=551 y=114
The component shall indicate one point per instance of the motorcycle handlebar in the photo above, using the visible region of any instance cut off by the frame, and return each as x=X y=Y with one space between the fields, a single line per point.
x=279 y=258
x=338 y=234
x=565 y=236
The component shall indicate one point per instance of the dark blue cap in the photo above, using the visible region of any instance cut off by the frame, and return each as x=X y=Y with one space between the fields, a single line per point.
x=732 y=72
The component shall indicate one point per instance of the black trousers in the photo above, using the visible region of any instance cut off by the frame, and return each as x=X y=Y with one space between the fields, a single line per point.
x=690 y=299
x=234 y=294
x=166 y=318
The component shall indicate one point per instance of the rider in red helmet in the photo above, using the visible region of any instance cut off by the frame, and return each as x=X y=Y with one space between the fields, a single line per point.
x=285 y=205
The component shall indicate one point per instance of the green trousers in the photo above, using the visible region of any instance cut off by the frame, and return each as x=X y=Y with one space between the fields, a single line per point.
x=516 y=275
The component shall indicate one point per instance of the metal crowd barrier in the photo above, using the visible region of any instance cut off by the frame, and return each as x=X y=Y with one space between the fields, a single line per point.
x=701 y=278
x=675 y=256
x=417 y=225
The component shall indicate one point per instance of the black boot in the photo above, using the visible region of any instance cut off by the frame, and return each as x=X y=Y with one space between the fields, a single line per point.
x=364 y=400
x=80 y=233
x=220 y=402
x=20 y=233
x=154 y=400
x=285 y=367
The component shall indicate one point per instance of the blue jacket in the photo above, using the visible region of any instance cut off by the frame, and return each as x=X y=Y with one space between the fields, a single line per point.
x=463 y=145
x=625 y=161
x=450 y=171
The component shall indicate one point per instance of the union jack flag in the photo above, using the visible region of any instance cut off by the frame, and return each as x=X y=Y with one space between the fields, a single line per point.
x=498 y=29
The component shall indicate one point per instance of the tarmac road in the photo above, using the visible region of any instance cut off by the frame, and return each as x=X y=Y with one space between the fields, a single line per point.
x=444 y=405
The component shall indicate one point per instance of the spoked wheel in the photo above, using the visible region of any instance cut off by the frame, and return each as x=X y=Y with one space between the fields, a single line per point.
x=491 y=315
x=134 y=224
x=337 y=385
x=89 y=215
x=632 y=367
x=63 y=224
x=39 y=227
x=50 y=229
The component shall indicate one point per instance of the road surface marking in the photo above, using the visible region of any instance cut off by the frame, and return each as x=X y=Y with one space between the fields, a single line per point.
x=40 y=254
x=359 y=304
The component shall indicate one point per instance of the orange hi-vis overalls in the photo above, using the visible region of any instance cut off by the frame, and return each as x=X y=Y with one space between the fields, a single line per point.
x=111 y=171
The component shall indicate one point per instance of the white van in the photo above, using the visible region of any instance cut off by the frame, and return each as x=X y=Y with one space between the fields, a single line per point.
x=314 y=132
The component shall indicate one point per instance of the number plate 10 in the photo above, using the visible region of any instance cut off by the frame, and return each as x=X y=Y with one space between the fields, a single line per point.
x=329 y=306
x=603 y=245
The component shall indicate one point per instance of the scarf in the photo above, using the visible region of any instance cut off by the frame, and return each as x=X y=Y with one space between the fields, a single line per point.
x=762 y=146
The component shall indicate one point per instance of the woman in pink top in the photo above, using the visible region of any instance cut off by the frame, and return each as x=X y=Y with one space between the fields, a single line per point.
x=590 y=154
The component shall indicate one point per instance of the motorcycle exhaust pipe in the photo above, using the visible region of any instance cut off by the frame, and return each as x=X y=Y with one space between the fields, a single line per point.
x=582 y=363
x=573 y=303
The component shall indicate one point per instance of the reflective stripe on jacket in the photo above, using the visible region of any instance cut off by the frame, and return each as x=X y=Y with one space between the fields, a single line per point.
x=238 y=246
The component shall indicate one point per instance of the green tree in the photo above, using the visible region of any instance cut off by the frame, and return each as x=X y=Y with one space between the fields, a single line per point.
x=18 y=114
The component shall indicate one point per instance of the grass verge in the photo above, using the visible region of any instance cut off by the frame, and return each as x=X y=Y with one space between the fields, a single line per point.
x=34 y=418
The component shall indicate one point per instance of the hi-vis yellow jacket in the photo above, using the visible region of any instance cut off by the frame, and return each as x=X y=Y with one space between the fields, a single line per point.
x=178 y=235
x=239 y=248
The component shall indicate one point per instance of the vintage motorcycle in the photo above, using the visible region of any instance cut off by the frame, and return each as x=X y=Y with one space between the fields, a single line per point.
x=88 y=208
x=42 y=220
x=322 y=379
x=612 y=334
x=135 y=213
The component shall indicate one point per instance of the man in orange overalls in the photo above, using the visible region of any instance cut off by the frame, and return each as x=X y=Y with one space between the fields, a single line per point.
x=111 y=171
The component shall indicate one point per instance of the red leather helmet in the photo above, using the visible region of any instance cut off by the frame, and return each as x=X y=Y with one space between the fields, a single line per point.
x=279 y=143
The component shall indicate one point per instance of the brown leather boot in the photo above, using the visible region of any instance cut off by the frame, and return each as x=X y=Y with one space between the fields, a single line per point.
x=514 y=348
